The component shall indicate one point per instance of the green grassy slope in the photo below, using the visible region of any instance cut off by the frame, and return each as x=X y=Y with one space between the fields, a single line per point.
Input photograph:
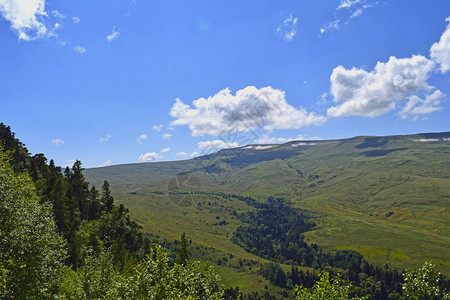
x=386 y=197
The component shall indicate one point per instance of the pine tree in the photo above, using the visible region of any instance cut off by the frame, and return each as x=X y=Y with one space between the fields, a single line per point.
x=60 y=209
x=80 y=189
x=94 y=204
x=183 y=253
x=107 y=198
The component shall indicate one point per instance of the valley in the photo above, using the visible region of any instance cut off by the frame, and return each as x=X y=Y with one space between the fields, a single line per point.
x=385 y=197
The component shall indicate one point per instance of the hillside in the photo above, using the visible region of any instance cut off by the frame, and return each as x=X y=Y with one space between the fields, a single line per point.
x=385 y=197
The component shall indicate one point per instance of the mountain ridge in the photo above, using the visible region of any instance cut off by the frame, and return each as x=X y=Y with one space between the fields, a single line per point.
x=387 y=197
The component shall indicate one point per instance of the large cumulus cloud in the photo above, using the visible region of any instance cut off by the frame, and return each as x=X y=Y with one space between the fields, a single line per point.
x=440 y=51
x=247 y=110
x=362 y=93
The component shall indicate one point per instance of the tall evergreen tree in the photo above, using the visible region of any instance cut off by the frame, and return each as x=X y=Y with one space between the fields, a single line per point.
x=80 y=189
x=183 y=252
x=60 y=210
x=94 y=204
x=107 y=198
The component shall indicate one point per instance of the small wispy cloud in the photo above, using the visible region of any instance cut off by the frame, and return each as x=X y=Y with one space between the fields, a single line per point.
x=149 y=156
x=57 y=142
x=346 y=11
x=181 y=153
x=157 y=127
x=57 y=14
x=79 y=49
x=165 y=150
x=330 y=25
x=141 y=138
x=347 y=4
x=105 y=164
x=167 y=136
x=288 y=29
x=105 y=139
x=114 y=35
x=323 y=99
x=76 y=20
x=195 y=153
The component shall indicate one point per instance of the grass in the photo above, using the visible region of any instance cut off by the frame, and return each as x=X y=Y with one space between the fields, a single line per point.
x=392 y=206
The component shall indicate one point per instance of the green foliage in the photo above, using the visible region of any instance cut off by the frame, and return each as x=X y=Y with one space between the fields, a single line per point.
x=93 y=280
x=275 y=231
x=324 y=289
x=106 y=248
x=107 y=199
x=274 y=273
x=154 y=277
x=32 y=253
x=183 y=252
x=424 y=283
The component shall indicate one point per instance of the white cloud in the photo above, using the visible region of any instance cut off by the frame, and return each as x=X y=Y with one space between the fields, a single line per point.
x=26 y=17
x=106 y=163
x=417 y=106
x=157 y=128
x=288 y=28
x=114 y=35
x=216 y=145
x=330 y=25
x=347 y=4
x=165 y=150
x=79 y=49
x=141 y=138
x=249 y=109
x=150 y=156
x=76 y=20
x=57 y=142
x=195 y=153
x=167 y=136
x=440 y=51
x=323 y=99
x=345 y=11
x=181 y=153
x=57 y=14
x=361 y=93
x=105 y=139
x=356 y=13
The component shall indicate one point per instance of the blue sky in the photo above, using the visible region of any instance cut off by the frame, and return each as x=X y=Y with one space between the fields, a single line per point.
x=111 y=82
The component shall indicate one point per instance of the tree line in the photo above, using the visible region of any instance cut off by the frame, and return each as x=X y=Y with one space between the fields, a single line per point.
x=61 y=238
x=275 y=231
